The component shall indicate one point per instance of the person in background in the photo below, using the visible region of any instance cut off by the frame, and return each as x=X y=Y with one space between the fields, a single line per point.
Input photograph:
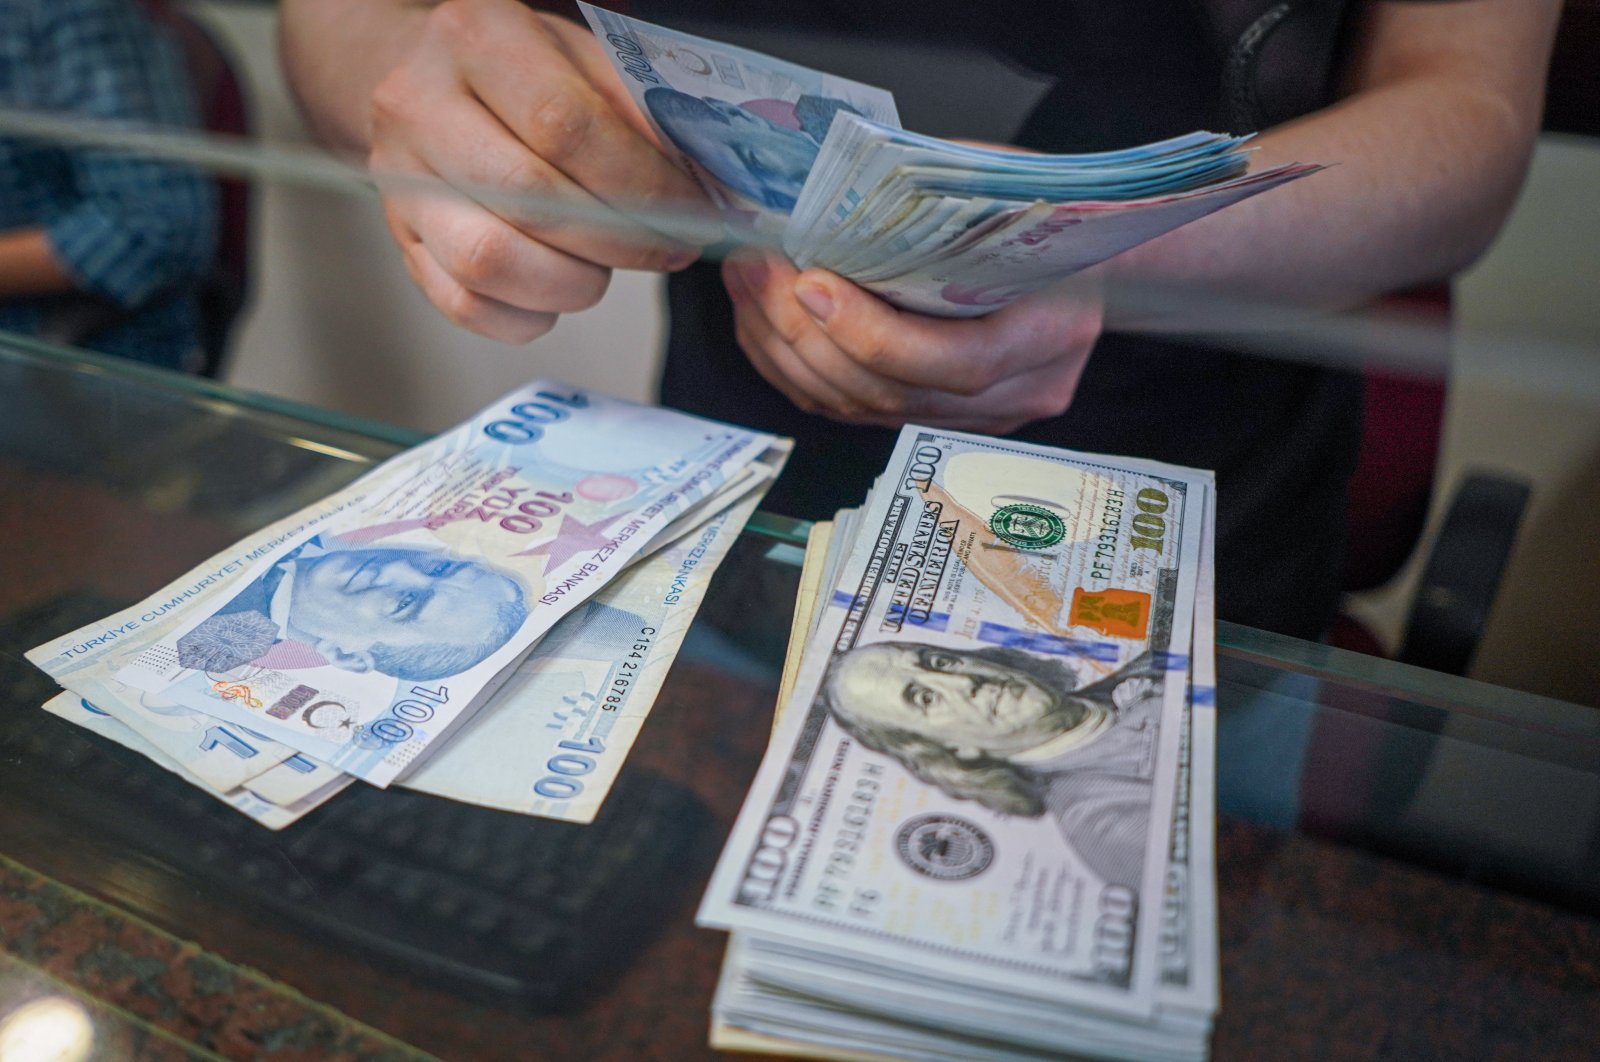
x=100 y=249
x=1429 y=111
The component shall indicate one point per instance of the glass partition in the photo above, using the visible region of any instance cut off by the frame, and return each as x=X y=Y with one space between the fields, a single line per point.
x=1408 y=836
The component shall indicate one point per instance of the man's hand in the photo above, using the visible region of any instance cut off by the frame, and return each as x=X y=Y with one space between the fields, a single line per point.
x=488 y=94
x=838 y=350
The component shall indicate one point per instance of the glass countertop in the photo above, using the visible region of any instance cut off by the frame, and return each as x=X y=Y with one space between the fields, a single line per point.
x=1408 y=862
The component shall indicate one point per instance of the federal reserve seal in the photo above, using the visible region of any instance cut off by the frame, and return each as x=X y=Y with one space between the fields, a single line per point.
x=944 y=847
x=1027 y=526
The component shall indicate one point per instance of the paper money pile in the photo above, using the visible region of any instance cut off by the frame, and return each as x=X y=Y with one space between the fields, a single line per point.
x=984 y=826
x=487 y=617
x=820 y=163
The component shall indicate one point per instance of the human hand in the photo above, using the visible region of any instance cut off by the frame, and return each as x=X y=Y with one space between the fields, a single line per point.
x=835 y=349
x=495 y=95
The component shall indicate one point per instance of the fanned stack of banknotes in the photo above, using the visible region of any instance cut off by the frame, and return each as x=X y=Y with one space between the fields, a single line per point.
x=983 y=828
x=820 y=164
x=486 y=617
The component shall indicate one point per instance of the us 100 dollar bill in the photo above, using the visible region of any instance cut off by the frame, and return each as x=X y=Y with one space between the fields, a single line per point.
x=977 y=777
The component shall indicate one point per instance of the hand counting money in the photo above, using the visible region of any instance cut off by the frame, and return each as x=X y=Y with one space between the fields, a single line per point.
x=947 y=229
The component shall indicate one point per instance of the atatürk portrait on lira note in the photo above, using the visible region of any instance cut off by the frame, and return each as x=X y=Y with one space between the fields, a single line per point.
x=1017 y=733
x=415 y=614
x=763 y=149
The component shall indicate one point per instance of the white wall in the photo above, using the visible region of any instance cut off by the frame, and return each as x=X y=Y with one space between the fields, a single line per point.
x=336 y=323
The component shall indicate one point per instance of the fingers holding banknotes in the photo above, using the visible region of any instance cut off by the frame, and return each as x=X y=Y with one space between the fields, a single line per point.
x=493 y=95
x=833 y=348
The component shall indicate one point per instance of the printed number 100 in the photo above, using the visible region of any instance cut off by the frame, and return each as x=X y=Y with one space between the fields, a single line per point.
x=1150 y=522
x=565 y=767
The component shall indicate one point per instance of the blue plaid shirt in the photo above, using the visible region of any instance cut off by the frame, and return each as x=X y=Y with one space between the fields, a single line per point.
x=134 y=233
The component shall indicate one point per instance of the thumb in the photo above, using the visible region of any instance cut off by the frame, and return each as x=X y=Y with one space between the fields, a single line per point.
x=867 y=329
x=910 y=348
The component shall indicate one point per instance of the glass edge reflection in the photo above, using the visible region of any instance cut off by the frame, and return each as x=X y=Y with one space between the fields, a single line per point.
x=1324 y=661
x=764 y=524
x=12 y=344
x=1452 y=693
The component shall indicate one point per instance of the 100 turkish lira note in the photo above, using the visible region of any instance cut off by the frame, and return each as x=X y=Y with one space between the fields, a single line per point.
x=361 y=632
x=550 y=742
x=978 y=777
x=555 y=736
x=748 y=125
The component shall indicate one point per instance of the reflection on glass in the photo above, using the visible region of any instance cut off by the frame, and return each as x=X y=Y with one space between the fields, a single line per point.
x=53 y=1029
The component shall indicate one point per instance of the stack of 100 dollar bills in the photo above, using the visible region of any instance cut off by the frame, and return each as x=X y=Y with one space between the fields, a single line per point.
x=984 y=826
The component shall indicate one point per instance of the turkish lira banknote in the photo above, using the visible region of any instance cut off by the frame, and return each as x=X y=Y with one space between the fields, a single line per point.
x=275 y=798
x=1028 y=247
x=939 y=227
x=748 y=125
x=553 y=738
x=868 y=170
x=361 y=632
